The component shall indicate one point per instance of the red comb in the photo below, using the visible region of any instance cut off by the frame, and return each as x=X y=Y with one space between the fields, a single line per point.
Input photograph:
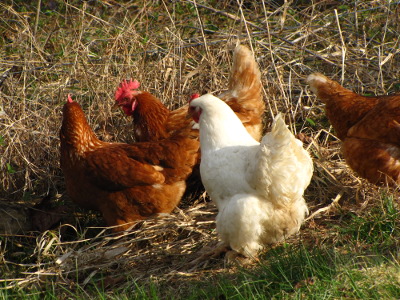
x=194 y=96
x=125 y=86
x=69 y=100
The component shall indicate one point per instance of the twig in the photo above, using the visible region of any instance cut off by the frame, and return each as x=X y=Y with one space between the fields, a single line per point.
x=202 y=31
x=5 y=75
x=335 y=203
x=343 y=45
x=221 y=12
x=37 y=17
x=245 y=24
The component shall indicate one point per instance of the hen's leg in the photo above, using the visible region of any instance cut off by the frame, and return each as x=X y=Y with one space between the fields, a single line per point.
x=220 y=249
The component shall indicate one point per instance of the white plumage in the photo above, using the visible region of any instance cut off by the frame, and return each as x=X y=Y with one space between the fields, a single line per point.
x=257 y=187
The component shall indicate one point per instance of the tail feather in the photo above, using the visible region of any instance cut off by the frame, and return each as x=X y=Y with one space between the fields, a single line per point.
x=279 y=131
x=343 y=107
x=318 y=82
x=245 y=79
x=324 y=87
x=244 y=94
x=282 y=167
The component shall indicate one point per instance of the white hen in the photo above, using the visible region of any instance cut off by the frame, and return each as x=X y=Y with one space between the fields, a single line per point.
x=257 y=187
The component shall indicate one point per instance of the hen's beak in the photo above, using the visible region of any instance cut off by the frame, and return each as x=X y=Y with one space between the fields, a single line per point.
x=120 y=103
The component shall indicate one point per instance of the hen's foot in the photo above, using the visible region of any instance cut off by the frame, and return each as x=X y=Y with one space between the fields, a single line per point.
x=234 y=257
x=231 y=256
x=216 y=252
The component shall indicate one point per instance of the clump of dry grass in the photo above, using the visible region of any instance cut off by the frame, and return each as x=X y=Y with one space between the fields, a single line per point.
x=161 y=247
x=174 y=49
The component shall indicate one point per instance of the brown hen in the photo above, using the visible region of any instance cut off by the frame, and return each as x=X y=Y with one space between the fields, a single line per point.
x=153 y=121
x=126 y=183
x=368 y=127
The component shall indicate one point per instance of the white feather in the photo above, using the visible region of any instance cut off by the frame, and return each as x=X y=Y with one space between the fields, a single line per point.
x=257 y=187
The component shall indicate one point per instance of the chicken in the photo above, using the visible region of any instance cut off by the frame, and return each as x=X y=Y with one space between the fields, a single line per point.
x=257 y=187
x=126 y=183
x=367 y=126
x=153 y=121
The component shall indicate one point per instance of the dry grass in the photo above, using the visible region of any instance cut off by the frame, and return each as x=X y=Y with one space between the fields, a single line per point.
x=174 y=49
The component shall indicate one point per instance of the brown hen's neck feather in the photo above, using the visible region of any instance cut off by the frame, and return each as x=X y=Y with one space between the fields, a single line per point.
x=149 y=117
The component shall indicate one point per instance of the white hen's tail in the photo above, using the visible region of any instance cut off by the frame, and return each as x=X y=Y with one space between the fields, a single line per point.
x=282 y=168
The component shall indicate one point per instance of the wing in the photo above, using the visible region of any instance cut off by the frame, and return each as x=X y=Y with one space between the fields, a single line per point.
x=113 y=168
x=382 y=123
x=173 y=158
x=373 y=160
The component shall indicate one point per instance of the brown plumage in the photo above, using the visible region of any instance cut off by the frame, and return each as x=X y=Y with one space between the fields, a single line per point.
x=126 y=183
x=368 y=127
x=153 y=121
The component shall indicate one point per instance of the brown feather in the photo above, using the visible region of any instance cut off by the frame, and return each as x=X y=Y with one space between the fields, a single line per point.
x=369 y=128
x=153 y=121
x=126 y=183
